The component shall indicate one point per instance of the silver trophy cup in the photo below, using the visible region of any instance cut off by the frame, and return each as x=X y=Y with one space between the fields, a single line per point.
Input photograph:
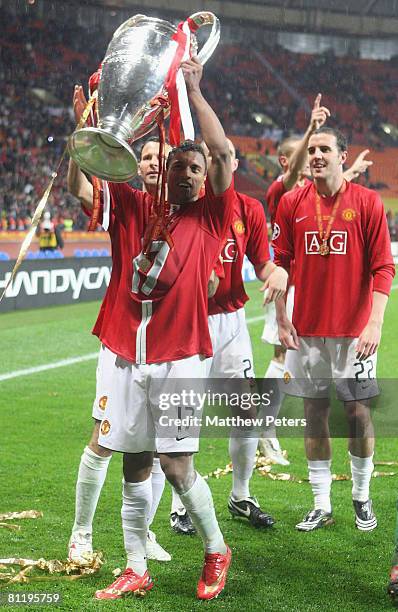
x=136 y=64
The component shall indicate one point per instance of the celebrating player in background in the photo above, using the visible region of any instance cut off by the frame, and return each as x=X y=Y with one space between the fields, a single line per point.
x=152 y=331
x=293 y=158
x=232 y=350
x=337 y=234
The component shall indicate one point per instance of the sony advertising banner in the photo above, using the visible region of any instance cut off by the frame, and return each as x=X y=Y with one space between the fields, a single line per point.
x=54 y=281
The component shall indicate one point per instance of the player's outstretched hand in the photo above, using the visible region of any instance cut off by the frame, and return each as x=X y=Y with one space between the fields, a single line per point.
x=319 y=114
x=361 y=164
x=368 y=341
x=275 y=285
x=79 y=102
x=192 y=70
x=287 y=334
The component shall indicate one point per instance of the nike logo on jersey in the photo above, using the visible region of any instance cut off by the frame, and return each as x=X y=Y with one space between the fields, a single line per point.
x=301 y=218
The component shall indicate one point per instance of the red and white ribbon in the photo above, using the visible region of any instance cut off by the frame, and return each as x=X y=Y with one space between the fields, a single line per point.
x=180 y=113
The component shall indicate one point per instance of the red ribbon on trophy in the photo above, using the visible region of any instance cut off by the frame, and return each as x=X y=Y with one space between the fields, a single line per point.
x=180 y=113
x=175 y=86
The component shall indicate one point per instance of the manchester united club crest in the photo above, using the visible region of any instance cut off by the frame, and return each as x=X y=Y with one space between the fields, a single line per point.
x=239 y=226
x=286 y=377
x=105 y=427
x=348 y=214
x=102 y=402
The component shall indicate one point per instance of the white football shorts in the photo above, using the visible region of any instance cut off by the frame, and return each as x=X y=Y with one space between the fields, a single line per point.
x=232 y=348
x=270 y=332
x=143 y=407
x=319 y=362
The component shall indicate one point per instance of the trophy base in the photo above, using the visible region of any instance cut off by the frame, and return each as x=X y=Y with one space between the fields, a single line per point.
x=103 y=155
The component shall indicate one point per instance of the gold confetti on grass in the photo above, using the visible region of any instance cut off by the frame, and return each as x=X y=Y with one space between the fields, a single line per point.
x=263 y=466
x=10 y=526
x=25 y=514
x=51 y=570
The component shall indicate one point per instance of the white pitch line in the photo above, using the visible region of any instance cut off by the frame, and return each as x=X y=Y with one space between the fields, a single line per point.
x=48 y=366
x=89 y=357
x=255 y=319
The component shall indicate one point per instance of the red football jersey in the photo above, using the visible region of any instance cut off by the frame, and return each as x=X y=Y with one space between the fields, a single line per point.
x=334 y=293
x=273 y=195
x=246 y=234
x=155 y=308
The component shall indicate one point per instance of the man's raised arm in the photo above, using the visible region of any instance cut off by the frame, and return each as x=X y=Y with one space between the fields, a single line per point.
x=220 y=172
x=298 y=159
x=78 y=184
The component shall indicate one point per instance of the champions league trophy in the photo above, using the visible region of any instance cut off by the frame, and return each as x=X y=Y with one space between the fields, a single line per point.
x=134 y=70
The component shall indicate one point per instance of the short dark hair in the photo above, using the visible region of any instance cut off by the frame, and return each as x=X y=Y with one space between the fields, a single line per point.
x=153 y=139
x=341 y=140
x=185 y=147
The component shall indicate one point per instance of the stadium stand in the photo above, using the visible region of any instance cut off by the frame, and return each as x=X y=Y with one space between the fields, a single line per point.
x=260 y=95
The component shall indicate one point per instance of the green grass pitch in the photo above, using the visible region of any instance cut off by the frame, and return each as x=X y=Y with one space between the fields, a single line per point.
x=46 y=422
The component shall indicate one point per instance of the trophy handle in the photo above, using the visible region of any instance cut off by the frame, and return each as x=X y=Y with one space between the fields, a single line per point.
x=206 y=18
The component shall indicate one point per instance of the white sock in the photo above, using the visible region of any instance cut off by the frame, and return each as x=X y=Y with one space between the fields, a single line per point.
x=321 y=481
x=242 y=452
x=361 y=470
x=199 y=503
x=176 y=503
x=90 y=480
x=275 y=370
x=158 y=480
x=137 y=501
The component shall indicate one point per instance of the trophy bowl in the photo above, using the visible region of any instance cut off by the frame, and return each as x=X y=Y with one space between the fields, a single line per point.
x=133 y=73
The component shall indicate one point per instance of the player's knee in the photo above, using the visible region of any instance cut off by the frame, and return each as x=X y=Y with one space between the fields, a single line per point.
x=179 y=471
x=137 y=466
x=358 y=415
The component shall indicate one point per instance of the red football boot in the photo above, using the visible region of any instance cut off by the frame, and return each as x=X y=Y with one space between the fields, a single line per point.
x=128 y=583
x=214 y=574
x=392 y=588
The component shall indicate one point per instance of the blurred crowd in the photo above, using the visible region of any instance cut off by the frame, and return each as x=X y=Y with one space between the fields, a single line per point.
x=258 y=90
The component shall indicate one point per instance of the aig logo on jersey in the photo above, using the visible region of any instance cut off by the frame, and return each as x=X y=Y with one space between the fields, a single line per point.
x=337 y=243
x=230 y=252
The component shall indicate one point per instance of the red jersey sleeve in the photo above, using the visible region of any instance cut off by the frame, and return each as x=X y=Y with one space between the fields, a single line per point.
x=379 y=247
x=218 y=209
x=282 y=237
x=273 y=195
x=257 y=248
